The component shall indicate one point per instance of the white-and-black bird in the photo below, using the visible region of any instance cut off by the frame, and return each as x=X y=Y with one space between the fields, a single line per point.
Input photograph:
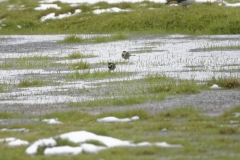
x=111 y=66
x=183 y=3
x=126 y=55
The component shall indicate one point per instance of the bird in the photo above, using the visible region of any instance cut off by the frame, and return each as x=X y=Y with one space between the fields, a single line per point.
x=183 y=3
x=111 y=66
x=126 y=55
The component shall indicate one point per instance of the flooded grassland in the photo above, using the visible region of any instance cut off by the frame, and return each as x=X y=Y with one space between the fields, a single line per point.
x=55 y=78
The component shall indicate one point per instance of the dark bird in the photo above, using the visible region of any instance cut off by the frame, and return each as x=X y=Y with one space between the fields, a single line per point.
x=183 y=3
x=111 y=66
x=126 y=55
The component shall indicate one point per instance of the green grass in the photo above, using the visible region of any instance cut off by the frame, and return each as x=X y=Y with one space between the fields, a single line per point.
x=78 y=55
x=72 y=39
x=97 y=39
x=117 y=101
x=160 y=84
x=4 y=115
x=31 y=83
x=97 y=74
x=79 y=65
x=199 y=18
x=200 y=136
x=1 y=88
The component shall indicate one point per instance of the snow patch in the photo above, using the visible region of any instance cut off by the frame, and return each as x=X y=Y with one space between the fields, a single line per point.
x=52 y=121
x=215 y=86
x=230 y=4
x=91 y=148
x=115 y=119
x=60 y=16
x=47 y=6
x=62 y=150
x=49 y=142
x=109 y=10
x=83 y=136
x=14 y=142
x=14 y=130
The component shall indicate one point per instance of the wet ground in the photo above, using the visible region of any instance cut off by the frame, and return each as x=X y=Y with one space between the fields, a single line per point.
x=179 y=56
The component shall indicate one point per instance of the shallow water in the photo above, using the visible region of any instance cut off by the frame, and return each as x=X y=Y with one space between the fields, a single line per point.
x=179 y=56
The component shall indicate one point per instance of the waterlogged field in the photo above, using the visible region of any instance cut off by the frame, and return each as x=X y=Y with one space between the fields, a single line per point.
x=167 y=84
x=41 y=70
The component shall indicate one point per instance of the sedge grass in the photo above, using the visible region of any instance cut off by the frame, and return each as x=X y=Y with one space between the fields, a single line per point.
x=80 y=65
x=97 y=39
x=78 y=55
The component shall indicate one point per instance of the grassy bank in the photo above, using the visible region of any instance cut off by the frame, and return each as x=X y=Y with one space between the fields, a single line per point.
x=202 y=137
x=206 y=18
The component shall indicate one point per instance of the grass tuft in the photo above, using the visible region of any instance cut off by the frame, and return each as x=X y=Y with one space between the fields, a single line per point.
x=160 y=84
x=97 y=39
x=76 y=55
x=26 y=83
x=72 y=39
x=64 y=142
x=80 y=65
x=228 y=130
x=97 y=143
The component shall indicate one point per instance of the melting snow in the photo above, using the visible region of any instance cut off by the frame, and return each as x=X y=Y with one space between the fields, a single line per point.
x=83 y=136
x=49 y=142
x=236 y=114
x=215 y=86
x=18 y=142
x=47 y=6
x=52 y=121
x=63 y=150
x=110 y=10
x=231 y=4
x=114 y=119
x=91 y=149
x=14 y=130
x=60 y=16
x=13 y=142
